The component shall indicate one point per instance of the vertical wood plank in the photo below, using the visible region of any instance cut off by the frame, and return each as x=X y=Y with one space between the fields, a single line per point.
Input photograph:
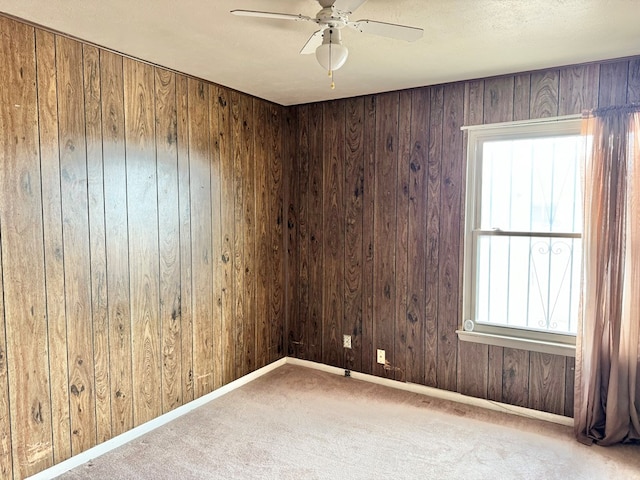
x=117 y=242
x=216 y=233
x=578 y=88
x=384 y=261
x=613 y=83
x=184 y=204
x=201 y=237
x=249 y=232
x=276 y=251
x=168 y=238
x=316 y=234
x=54 y=261
x=498 y=100
x=75 y=217
x=97 y=238
x=225 y=142
x=544 y=94
x=569 y=389
x=354 y=254
x=6 y=464
x=434 y=166
x=521 y=96
x=290 y=178
x=23 y=254
x=450 y=235
x=301 y=324
x=334 y=234
x=402 y=235
x=368 y=358
x=142 y=212
x=262 y=235
x=547 y=382
x=417 y=234
x=238 y=118
x=515 y=377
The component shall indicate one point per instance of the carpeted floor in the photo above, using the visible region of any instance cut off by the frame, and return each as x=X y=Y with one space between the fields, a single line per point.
x=299 y=423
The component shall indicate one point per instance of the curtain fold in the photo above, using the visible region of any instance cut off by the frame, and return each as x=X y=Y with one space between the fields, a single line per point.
x=607 y=397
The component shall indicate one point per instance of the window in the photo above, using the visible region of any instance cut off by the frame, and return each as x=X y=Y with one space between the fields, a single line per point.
x=523 y=234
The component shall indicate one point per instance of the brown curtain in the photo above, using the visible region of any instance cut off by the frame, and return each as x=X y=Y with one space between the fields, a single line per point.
x=607 y=401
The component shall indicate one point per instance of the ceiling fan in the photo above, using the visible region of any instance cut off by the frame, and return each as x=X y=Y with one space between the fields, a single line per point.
x=332 y=18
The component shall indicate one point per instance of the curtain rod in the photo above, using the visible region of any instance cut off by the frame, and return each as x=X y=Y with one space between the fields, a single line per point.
x=535 y=121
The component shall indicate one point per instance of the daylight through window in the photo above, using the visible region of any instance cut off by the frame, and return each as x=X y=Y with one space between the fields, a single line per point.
x=524 y=224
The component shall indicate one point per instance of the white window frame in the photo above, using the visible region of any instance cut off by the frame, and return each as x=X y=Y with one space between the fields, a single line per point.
x=533 y=340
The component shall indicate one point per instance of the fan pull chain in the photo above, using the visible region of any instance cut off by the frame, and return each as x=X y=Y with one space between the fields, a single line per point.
x=333 y=84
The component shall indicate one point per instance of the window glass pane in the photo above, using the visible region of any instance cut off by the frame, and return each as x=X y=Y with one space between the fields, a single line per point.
x=531 y=185
x=529 y=282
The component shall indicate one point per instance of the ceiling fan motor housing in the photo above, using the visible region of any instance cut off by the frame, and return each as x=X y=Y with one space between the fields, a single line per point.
x=331 y=18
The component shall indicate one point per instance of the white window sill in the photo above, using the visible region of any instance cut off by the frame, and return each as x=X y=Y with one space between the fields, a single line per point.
x=520 y=343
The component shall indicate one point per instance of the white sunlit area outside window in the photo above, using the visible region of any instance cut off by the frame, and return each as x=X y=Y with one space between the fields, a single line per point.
x=524 y=222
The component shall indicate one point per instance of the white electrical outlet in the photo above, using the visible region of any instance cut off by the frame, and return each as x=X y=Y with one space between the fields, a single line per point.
x=346 y=341
x=381 y=358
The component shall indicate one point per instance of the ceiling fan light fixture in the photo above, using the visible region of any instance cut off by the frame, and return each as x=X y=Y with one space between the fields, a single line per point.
x=331 y=55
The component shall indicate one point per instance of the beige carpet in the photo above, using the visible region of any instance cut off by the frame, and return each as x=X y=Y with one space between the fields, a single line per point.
x=298 y=423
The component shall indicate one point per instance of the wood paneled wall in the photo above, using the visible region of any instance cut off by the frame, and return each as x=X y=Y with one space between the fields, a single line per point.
x=376 y=223
x=141 y=257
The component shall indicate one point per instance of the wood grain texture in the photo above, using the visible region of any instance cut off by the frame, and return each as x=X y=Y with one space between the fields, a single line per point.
x=97 y=239
x=290 y=182
x=227 y=257
x=547 y=382
x=239 y=115
x=316 y=234
x=521 y=96
x=142 y=197
x=249 y=234
x=569 y=386
x=368 y=358
x=578 y=89
x=23 y=254
x=184 y=205
x=201 y=238
x=111 y=242
x=263 y=237
x=216 y=233
x=298 y=248
x=353 y=247
x=384 y=237
x=334 y=234
x=515 y=377
x=52 y=231
x=450 y=236
x=402 y=236
x=117 y=242
x=76 y=247
x=6 y=465
x=168 y=238
x=417 y=226
x=613 y=79
x=432 y=237
x=276 y=219
x=544 y=94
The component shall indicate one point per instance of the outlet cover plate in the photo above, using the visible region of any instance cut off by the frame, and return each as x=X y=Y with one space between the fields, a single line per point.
x=346 y=341
x=381 y=356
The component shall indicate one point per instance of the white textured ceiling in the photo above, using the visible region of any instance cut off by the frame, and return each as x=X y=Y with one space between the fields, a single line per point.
x=463 y=39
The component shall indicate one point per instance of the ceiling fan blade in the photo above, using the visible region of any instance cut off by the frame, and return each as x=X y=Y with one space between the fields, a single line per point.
x=391 y=30
x=314 y=42
x=279 y=16
x=347 y=5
